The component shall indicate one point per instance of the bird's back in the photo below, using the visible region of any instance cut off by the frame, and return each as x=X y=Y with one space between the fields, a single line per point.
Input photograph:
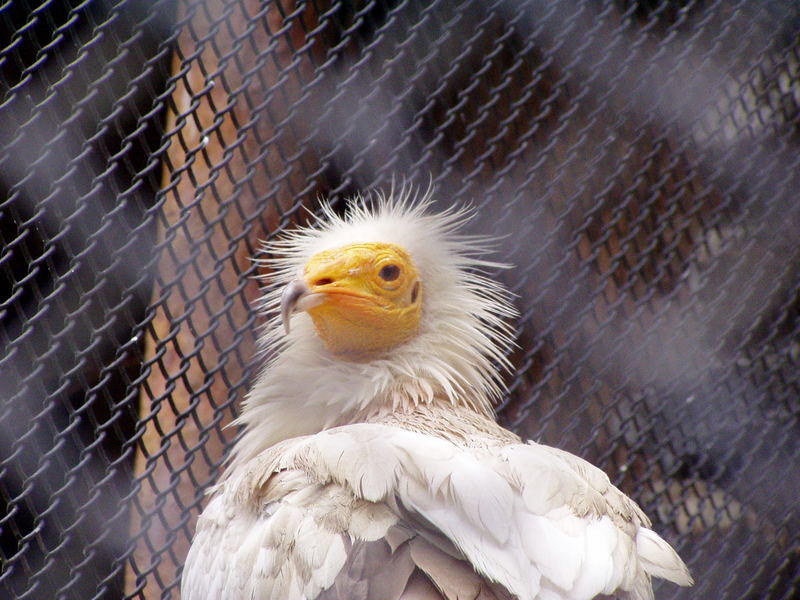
x=421 y=506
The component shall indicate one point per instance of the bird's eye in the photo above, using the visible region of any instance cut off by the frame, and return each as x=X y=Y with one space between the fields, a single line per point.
x=389 y=272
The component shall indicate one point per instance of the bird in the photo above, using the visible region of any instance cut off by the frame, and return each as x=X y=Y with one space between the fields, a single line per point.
x=370 y=463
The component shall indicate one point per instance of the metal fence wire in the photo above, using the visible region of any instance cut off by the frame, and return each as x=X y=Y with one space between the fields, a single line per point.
x=640 y=158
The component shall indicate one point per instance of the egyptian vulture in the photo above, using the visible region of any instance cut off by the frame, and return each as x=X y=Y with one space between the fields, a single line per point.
x=370 y=464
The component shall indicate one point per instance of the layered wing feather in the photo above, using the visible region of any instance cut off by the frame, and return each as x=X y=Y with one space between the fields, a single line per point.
x=329 y=515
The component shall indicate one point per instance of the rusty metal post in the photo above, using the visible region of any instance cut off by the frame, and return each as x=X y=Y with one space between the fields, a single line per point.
x=225 y=185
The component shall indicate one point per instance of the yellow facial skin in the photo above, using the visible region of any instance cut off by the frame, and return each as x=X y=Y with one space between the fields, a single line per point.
x=370 y=298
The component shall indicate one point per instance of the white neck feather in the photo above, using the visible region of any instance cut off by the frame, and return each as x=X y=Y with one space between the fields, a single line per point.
x=463 y=335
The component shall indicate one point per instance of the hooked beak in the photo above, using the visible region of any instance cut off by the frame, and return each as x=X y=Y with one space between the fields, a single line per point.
x=297 y=297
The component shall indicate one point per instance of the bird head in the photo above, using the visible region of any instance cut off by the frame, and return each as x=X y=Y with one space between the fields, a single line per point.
x=384 y=308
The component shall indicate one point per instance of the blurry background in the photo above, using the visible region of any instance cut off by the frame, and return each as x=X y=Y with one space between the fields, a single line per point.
x=640 y=158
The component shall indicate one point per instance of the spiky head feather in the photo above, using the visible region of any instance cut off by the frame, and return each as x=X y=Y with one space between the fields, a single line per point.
x=463 y=334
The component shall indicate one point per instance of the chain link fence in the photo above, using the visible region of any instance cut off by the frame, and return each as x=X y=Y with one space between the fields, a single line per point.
x=640 y=158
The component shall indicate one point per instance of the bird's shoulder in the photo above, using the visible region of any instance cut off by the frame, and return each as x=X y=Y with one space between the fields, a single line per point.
x=521 y=515
x=273 y=530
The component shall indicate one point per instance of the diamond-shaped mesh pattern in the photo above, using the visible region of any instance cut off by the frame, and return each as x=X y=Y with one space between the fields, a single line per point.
x=640 y=158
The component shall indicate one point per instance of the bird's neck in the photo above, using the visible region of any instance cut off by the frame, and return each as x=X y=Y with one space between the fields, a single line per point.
x=305 y=391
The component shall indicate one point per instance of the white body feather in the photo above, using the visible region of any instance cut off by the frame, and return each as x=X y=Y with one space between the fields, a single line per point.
x=387 y=479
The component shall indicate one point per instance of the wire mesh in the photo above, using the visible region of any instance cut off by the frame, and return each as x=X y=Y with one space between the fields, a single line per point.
x=640 y=158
